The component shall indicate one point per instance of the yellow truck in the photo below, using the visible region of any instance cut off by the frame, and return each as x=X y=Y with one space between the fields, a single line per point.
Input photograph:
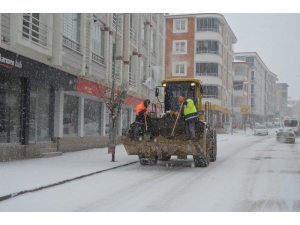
x=168 y=137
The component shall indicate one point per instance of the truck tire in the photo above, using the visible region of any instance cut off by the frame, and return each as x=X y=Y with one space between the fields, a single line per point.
x=201 y=161
x=148 y=161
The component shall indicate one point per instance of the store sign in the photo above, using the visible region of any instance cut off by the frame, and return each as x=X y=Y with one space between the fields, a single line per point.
x=8 y=63
x=245 y=109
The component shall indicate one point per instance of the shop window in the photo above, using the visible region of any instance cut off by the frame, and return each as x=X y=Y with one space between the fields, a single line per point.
x=70 y=117
x=92 y=117
x=10 y=108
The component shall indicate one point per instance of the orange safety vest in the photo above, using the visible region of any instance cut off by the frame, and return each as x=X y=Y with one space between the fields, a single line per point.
x=140 y=107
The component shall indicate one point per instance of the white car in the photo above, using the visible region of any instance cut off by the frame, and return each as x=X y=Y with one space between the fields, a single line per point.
x=285 y=135
x=261 y=130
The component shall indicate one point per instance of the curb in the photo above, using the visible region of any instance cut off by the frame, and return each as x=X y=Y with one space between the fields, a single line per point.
x=5 y=197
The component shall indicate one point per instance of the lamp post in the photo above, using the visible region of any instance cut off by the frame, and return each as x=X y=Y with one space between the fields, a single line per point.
x=232 y=114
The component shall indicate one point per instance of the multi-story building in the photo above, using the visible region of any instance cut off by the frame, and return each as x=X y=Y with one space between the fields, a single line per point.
x=56 y=72
x=278 y=97
x=284 y=99
x=241 y=93
x=295 y=105
x=201 y=46
x=263 y=88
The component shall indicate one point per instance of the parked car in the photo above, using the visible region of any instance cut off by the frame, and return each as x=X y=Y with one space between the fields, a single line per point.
x=269 y=125
x=285 y=135
x=261 y=130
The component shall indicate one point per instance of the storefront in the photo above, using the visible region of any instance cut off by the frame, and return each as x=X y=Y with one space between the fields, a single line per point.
x=27 y=98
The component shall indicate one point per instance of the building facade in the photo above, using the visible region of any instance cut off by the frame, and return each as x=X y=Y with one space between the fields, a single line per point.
x=283 y=99
x=201 y=46
x=241 y=92
x=263 y=88
x=56 y=73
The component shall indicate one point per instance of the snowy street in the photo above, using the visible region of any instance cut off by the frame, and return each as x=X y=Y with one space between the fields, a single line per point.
x=252 y=173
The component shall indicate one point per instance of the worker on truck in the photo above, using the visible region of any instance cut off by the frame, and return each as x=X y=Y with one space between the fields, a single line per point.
x=141 y=112
x=191 y=117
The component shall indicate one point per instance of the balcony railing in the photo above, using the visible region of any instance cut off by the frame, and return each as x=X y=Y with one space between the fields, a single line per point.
x=132 y=82
x=98 y=58
x=207 y=74
x=144 y=43
x=71 y=44
x=117 y=73
x=153 y=51
x=34 y=29
x=119 y=22
x=132 y=36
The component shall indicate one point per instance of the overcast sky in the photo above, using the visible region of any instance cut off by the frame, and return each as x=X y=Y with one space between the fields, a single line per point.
x=275 y=37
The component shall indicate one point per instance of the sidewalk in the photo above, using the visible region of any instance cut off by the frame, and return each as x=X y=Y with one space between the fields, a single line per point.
x=30 y=174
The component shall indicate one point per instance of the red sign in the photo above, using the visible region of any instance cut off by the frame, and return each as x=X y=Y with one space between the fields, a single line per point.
x=101 y=91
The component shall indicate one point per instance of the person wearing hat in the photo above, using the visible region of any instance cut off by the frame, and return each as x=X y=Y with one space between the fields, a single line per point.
x=190 y=116
x=141 y=111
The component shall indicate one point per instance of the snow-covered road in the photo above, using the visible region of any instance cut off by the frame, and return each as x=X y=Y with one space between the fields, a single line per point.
x=251 y=174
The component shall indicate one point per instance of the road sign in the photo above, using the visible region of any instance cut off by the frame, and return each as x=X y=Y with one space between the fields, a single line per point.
x=245 y=109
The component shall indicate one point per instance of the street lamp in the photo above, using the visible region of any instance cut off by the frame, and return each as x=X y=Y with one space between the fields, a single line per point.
x=231 y=115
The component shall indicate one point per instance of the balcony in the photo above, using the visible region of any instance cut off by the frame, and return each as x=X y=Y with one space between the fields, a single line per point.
x=119 y=22
x=71 y=44
x=34 y=29
x=97 y=58
x=132 y=82
x=132 y=36
x=144 y=43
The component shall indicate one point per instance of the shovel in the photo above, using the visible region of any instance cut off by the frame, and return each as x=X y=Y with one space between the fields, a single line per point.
x=172 y=134
x=147 y=134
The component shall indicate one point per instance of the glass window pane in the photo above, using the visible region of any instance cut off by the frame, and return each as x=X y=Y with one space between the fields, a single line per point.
x=70 y=115
x=10 y=108
x=92 y=117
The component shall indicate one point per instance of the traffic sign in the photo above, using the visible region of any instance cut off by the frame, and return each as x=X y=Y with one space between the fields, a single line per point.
x=245 y=109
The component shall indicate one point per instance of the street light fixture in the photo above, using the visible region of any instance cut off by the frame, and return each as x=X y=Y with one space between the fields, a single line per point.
x=231 y=115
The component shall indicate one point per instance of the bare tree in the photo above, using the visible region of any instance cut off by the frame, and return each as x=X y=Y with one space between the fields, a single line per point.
x=114 y=98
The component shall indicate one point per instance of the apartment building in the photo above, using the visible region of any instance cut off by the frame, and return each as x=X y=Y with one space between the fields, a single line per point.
x=241 y=92
x=294 y=107
x=56 y=72
x=201 y=46
x=263 y=88
x=283 y=99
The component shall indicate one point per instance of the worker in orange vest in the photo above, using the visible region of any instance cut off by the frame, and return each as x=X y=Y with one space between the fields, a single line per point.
x=141 y=112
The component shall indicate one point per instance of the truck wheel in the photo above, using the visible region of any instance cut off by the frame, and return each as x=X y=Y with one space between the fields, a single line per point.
x=201 y=161
x=164 y=158
x=143 y=160
x=153 y=161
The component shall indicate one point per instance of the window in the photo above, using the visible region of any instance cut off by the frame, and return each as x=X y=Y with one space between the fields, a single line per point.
x=180 y=26
x=34 y=29
x=238 y=85
x=92 y=117
x=179 y=47
x=10 y=108
x=208 y=69
x=144 y=32
x=208 y=24
x=153 y=41
x=211 y=91
x=98 y=43
x=71 y=31
x=70 y=115
x=143 y=70
x=179 y=69
x=208 y=46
